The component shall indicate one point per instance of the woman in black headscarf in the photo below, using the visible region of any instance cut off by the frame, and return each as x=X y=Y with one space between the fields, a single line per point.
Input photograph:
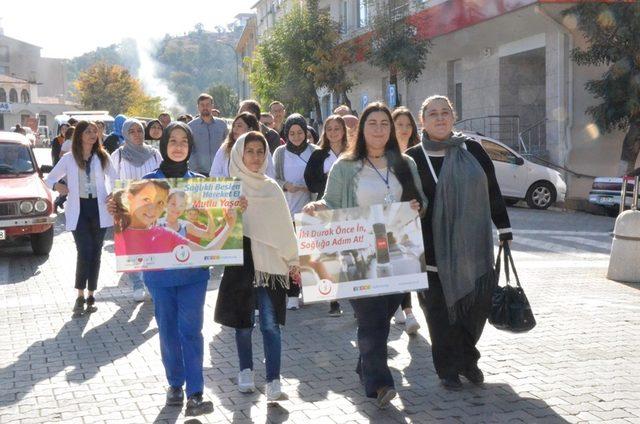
x=178 y=294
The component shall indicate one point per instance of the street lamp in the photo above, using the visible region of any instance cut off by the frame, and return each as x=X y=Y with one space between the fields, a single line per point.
x=237 y=66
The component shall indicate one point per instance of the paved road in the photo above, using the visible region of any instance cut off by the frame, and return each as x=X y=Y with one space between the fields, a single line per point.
x=580 y=364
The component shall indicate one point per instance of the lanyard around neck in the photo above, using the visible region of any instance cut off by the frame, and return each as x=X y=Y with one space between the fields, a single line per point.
x=386 y=180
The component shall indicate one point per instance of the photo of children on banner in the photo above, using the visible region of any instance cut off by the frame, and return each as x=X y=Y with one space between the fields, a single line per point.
x=177 y=223
x=359 y=252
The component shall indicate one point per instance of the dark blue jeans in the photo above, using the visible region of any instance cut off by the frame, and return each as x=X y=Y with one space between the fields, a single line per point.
x=271 y=338
x=374 y=316
x=89 y=238
x=179 y=313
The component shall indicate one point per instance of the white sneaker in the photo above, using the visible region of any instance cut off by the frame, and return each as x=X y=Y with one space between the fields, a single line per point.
x=411 y=325
x=139 y=295
x=293 y=303
x=274 y=390
x=245 y=381
x=398 y=317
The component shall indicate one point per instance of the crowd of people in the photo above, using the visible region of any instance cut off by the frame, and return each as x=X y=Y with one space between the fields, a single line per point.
x=285 y=168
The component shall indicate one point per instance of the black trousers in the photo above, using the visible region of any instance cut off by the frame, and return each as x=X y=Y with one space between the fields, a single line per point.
x=374 y=316
x=453 y=346
x=406 y=301
x=89 y=238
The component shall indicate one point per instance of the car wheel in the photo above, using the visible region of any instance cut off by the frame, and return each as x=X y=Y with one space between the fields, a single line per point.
x=510 y=201
x=541 y=195
x=612 y=211
x=41 y=242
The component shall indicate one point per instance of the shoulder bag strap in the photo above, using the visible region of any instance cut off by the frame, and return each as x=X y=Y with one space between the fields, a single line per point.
x=509 y=257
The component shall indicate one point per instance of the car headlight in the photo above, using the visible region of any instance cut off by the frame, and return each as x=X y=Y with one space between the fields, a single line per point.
x=26 y=207
x=40 y=205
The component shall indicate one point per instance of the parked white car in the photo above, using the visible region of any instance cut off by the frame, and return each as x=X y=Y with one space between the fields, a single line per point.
x=521 y=179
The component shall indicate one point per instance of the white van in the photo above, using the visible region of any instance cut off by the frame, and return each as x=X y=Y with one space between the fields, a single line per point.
x=84 y=115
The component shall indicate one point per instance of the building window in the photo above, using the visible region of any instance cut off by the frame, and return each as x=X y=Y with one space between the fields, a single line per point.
x=3 y=95
x=24 y=119
x=42 y=120
x=13 y=96
x=1 y=121
x=399 y=7
x=25 y=97
x=4 y=53
x=363 y=13
x=4 y=70
x=458 y=100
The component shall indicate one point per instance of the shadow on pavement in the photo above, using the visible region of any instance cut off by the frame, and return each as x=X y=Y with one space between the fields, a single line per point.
x=84 y=354
x=169 y=415
x=21 y=262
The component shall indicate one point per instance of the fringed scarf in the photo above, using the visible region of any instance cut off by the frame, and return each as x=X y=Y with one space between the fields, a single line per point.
x=267 y=222
x=461 y=225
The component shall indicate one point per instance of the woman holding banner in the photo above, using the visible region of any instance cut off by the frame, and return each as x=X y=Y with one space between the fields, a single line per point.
x=178 y=294
x=270 y=260
x=373 y=171
x=459 y=180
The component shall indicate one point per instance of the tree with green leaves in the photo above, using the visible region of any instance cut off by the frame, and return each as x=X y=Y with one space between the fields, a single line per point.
x=613 y=34
x=112 y=88
x=395 y=46
x=225 y=99
x=298 y=56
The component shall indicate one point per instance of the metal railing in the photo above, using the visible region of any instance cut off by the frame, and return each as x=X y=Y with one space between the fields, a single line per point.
x=533 y=139
x=504 y=128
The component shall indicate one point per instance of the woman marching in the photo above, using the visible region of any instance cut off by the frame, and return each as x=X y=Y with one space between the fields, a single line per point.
x=459 y=180
x=90 y=178
x=290 y=162
x=178 y=294
x=270 y=261
x=242 y=124
x=153 y=133
x=332 y=143
x=373 y=172
x=407 y=135
x=132 y=161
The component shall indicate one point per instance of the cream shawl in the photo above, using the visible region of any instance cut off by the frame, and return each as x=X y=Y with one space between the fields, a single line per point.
x=267 y=222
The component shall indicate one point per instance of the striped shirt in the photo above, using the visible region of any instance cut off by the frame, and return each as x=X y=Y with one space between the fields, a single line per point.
x=127 y=171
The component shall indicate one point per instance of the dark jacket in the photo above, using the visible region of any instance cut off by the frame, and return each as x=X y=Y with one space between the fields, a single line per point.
x=111 y=143
x=314 y=175
x=237 y=297
x=56 y=148
x=499 y=214
x=272 y=136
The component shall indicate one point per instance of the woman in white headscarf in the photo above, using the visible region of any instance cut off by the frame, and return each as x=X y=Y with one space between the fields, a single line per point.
x=132 y=161
x=270 y=259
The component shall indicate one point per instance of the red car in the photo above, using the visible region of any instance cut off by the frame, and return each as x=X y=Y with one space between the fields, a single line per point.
x=26 y=205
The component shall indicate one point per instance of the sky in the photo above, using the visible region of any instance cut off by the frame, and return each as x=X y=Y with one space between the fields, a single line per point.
x=69 y=28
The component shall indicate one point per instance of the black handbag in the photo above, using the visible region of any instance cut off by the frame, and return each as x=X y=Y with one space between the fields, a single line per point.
x=510 y=308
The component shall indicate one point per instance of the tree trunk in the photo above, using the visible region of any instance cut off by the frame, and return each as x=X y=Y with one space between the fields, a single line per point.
x=318 y=108
x=393 y=79
x=345 y=99
x=631 y=147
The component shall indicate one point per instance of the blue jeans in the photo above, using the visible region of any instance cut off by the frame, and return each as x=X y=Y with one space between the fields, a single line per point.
x=374 y=316
x=179 y=312
x=270 y=338
x=136 y=280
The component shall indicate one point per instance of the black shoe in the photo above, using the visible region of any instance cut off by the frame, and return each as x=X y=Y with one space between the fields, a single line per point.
x=451 y=383
x=91 y=305
x=197 y=406
x=385 y=395
x=175 y=396
x=78 y=307
x=334 y=310
x=474 y=375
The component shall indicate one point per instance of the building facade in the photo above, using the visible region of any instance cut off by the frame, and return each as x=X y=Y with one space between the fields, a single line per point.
x=30 y=86
x=505 y=64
